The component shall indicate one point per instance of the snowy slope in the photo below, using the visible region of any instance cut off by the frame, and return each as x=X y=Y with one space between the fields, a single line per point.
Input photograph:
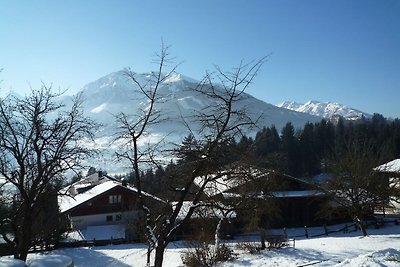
x=325 y=109
x=115 y=93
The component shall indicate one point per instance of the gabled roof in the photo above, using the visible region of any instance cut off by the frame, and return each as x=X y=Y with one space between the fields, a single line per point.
x=205 y=211
x=227 y=181
x=66 y=201
x=390 y=167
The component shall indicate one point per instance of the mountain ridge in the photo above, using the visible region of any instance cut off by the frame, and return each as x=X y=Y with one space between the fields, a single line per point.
x=115 y=93
x=326 y=110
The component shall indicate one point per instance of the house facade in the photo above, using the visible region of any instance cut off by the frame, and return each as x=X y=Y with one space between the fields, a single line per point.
x=100 y=200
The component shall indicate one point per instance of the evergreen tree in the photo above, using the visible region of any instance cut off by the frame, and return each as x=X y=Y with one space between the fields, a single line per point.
x=289 y=146
x=340 y=137
x=309 y=153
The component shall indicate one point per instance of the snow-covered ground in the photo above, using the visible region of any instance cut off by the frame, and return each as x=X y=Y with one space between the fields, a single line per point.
x=380 y=248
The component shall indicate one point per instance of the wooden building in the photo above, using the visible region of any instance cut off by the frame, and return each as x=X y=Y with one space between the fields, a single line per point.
x=277 y=200
x=100 y=200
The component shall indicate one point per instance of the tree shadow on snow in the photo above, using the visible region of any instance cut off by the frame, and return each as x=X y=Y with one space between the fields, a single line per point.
x=88 y=257
x=306 y=255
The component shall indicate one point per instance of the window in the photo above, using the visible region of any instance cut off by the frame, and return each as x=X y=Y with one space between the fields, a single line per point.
x=118 y=217
x=109 y=218
x=114 y=199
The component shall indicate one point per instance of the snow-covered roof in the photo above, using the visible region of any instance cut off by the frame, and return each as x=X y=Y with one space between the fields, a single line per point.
x=227 y=180
x=204 y=211
x=278 y=194
x=392 y=166
x=232 y=179
x=299 y=193
x=67 y=202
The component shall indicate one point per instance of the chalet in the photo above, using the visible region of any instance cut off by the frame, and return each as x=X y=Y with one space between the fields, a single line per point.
x=99 y=202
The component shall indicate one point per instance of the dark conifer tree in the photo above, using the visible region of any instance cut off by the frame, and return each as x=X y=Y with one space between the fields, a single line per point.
x=309 y=154
x=289 y=146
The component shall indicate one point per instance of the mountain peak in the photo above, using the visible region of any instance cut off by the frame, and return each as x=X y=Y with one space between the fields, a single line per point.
x=176 y=77
x=325 y=109
x=312 y=102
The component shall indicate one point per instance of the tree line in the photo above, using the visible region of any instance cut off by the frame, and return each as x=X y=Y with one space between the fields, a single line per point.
x=303 y=152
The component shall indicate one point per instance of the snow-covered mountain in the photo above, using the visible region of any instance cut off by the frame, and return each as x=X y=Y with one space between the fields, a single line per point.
x=325 y=109
x=115 y=93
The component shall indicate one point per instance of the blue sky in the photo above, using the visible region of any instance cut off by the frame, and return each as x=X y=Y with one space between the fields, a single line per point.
x=344 y=51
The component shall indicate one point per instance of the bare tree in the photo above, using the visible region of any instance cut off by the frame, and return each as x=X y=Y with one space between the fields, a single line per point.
x=134 y=128
x=39 y=141
x=356 y=186
x=219 y=122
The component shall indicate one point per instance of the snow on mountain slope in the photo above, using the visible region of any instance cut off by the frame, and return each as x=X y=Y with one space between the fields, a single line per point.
x=325 y=109
x=116 y=93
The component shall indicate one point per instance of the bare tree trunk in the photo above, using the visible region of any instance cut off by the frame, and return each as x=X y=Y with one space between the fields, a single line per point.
x=159 y=256
x=21 y=252
x=148 y=255
x=218 y=234
x=262 y=237
x=361 y=226
x=23 y=244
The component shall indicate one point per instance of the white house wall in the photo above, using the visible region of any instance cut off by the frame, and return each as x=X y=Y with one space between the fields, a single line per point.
x=81 y=222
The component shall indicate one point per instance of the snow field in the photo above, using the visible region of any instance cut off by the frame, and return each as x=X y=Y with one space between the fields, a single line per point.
x=380 y=248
